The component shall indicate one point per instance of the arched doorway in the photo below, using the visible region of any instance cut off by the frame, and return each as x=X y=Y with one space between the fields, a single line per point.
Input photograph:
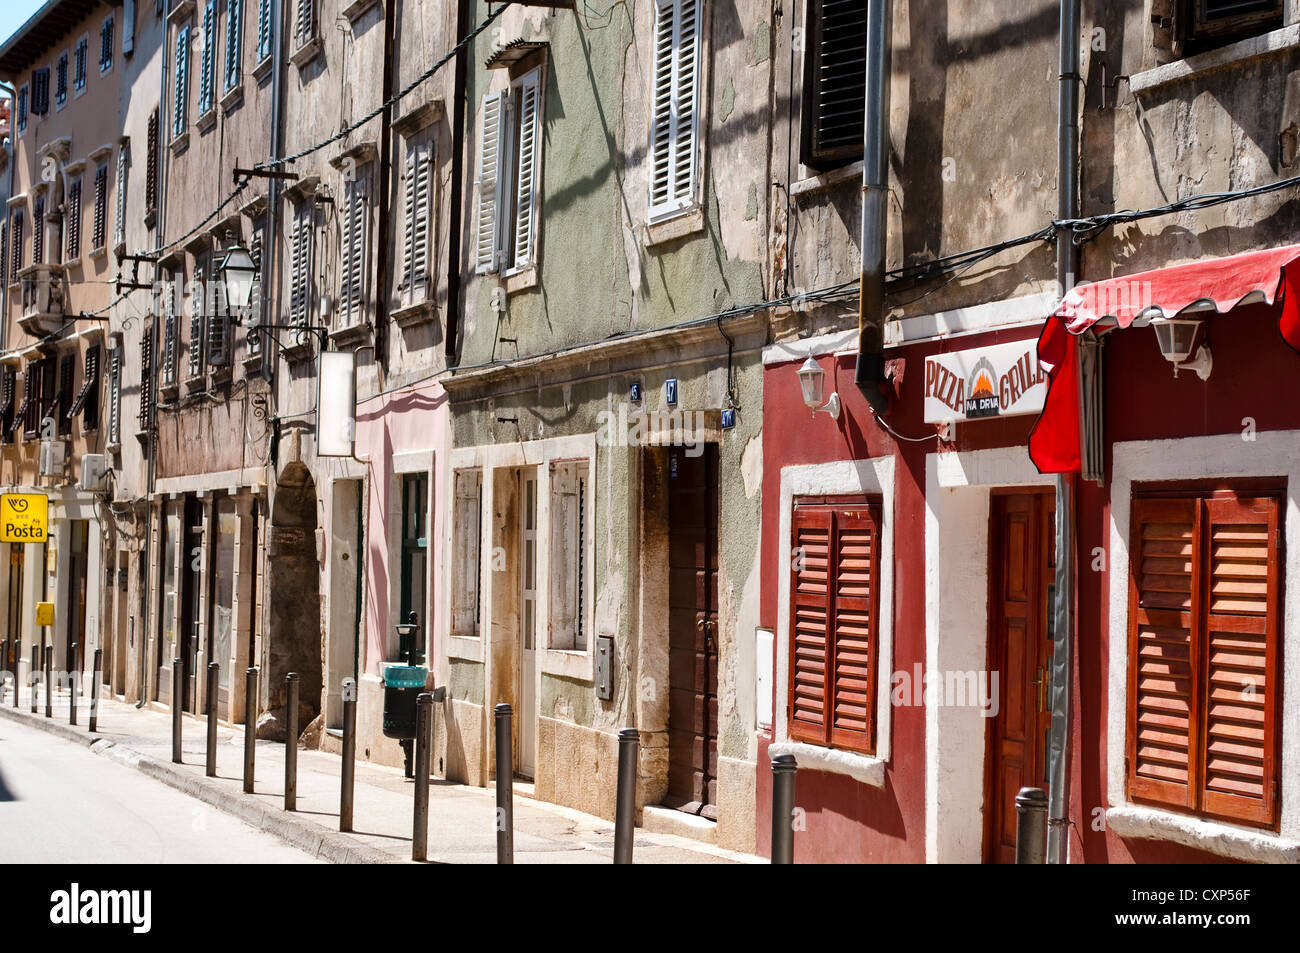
x=293 y=594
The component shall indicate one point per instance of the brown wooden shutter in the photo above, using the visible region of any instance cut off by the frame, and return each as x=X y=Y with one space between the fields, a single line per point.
x=1240 y=725
x=852 y=686
x=1162 y=716
x=834 y=87
x=810 y=616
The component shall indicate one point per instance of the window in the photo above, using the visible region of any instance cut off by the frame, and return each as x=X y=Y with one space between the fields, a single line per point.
x=1192 y=26
x=234 y=41
x=466 y=610
x=8 y=394
x=86 y=402
x=16 y=244
x=151 y=168
x=99 y=227
x=834 y=602
x=115 y=395
x=73 y=228
x=79 y=64
x=676 y=94
x=62 y=405
x=570 y=486
x=198 y=321
x=264 y=26
x=41 y=91
x=415 y=546
x=256 y=249
x=38 y=230
x=106 y=46
x=834 y=83
x=167 y=370
x=61 y=80
x=146 y=378
x=352 y=253
x=218 y=323
x=304 y=23
x=181 y=84
x=22 y=109
x=39 y=396
x=119 y=218
x=300 y=255
x=509 y=167
x=418 y=201
x=1204 y=620
x=208 y=58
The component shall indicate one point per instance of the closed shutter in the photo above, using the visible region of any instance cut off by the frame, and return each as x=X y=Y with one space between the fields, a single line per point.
x=255 y=249
x=353 y=256
x=1240 y=729
x=79 y=64
x=305 y=21
x=675 y=106
x=128 y=27
x=180 y=100
x=415 y=246
x=234 y=42
x=263 y=29
x=198 y=323
x=300 y=265
x=834 y=101
x=99 y=233
x=106 y=46
x=146 y=377
x=38 y=231
x=207 y=58
x=73 y=226
x=525 y=210
x=853 y=675
x=115 y=396
x=464 y=613
x=810 y=607
x=41 y=91
x=61 y=80
x=16 y=245
x=489 y=182
x=151 y=167
x=119 y=218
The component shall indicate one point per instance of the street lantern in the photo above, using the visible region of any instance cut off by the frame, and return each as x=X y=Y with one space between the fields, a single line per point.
x=812 y=380
x=406 y=651
x=1176 y=337
x=237 y=270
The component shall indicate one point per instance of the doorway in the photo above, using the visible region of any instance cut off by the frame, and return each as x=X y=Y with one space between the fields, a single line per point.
x=1021 y=573
x=527 y=623
x=293 y=587
x=693 y=513
x=74 y=650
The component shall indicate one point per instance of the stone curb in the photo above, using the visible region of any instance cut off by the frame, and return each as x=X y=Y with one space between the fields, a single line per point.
x=331 y=846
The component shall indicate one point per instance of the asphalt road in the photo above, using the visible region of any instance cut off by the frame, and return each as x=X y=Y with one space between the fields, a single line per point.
x=62 y=803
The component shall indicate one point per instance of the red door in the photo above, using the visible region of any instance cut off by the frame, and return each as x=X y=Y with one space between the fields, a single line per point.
x=1020 y=651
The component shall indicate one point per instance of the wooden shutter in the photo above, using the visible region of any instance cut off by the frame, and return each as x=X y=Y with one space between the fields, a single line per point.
x=352 y=264
x=128 y=26
x=151 y=166
x=263 y=29
x=207 y=58
x=79 y=65
x=415 y=247
x=146 y=377
x=16 y=245
x=86 y=402
x=466 y=565
x=73 y=228
x=834 y=101
x=180 y=91
x=525 y=204
x=810 y=611
x=489 y=183
x=198 y=323
x=115 y=395
x=234 y=44
x=8 y=394
x=255 y=249
x=99 y=232
x=674 y=147
x=41 y=91
x=38 y=231
x=300 y=264
x=61 y=80
x=305 y=22
x=62 y=413
x=852 y=678
x=106 y=45
x=119 y=202
x=1239 y=731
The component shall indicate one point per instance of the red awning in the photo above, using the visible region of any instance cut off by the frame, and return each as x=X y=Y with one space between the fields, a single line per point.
x=1223 y=283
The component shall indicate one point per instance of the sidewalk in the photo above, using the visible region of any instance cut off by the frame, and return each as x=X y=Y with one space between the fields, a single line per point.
x=461 y=819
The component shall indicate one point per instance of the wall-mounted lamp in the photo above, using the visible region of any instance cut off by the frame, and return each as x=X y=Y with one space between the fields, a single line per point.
x=812 y=379
x=237 y=271
x=1176 y=337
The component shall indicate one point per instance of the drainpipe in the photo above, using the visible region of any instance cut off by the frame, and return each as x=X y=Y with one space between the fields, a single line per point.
x=385 y=205
x=457 y=194
x=870 y=376
x=1063 y=609
x=4 y=292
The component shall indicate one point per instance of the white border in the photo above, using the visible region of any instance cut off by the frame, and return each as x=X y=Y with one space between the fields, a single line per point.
x=1270 y=454
x=874 y=476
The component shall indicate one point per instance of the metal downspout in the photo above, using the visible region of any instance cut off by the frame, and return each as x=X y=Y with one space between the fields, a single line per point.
x=4 y=292
x=870 y=374
x=1063 y=608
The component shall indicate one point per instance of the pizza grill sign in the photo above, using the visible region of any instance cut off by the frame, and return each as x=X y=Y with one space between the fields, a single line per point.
x=1000 y=381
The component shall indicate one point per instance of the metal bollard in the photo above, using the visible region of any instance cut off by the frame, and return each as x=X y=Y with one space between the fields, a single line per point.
x=423 y=742
x=33 y=676
x=505 y=787
x=214 y=672
x=348 y=774
x=18 y=650
x=49 y=681
x=784 y=767
x=6 y=647
x=95 y=667
x=1031 y=826
x=178 y=681
x=629 y=741
x=250 y=727
x=73 y=679
x=291 y=741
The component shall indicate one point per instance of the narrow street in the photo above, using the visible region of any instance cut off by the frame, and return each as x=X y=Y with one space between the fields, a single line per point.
x=60 y=803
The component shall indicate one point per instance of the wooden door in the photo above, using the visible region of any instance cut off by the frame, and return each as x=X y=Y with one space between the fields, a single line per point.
x=1020 y=651
x=693 y=631
x=527 y=725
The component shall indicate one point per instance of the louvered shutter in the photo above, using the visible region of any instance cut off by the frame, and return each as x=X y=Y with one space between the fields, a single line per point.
x=106 y=45
x=38 y=231
x=207 y=58
x=61 y=80
x=526 y=166
x=852 y=683
x=234 y=41
x=834 y=83
x=675 y=127
x=62 y=413
x=99 y=232
x=180 y=91
x=353 y=257
x=146 y=378
x=41 y=91
x=263 y=29
x=169 y=336
x=489 y=182
x=73 y=227
x=305 y=22
x=1163 y=646
x=115 y=395
x=128 y=27
x=415 y=247
x=16 y=246
x=151 y=166
x=810 y=607
x=255 y=249
x=79 y=65
x=466 y=565
x=1241 y=671
x=300 y=265
x=119 y=204
x=198 y=323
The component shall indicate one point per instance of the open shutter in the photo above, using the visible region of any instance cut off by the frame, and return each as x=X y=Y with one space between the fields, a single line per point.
x=852 y=687
x=198 y=323
x=1163 y=645
x=119 y=202
x=300 y=264
x=305 y=22
x=180 y=92
x=115 y=395
x=99 y=230
x=151 y=166
x=263 y=29
x=675 y=106
x=810 y=617
x=525 y=210
x=146 y=377
x=234 y=44
x=73 y=225
x=1240 y=725
x=207 y=58
x=489 y=182
x=834 y=100
x=128 y=27
x=38 y=230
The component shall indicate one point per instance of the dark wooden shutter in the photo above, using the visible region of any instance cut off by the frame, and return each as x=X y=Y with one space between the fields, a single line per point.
x=1162 y=716
x=852 y=682
x=73 y=225
x=146 y=377
x=1240 y=724
x=810 y=616
x=63 y=411
x=99 y=230
x=834 y=93
x=151 y=167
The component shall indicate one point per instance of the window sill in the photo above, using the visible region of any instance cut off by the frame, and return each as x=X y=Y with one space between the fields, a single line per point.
x=351 y=335
x=1215 y=837
x=207 y=120
x=195 y=383
x=180 y=143
x=100 y=252
x=412 y=314
x=859 y=767
x=220 y=375
x=169 y=392
x=113 y=448
x=1226 y=57
x=306 y=53
x=232 y=97
x=568 y=663
x=819 y=182
x=142 y=435
x=521 y=280
x=253 y=365
x=356 y=8
x=690 y=222
x=465 y=648
x=263 y=69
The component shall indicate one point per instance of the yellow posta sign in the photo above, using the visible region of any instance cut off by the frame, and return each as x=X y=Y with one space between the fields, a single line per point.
x=23 y=517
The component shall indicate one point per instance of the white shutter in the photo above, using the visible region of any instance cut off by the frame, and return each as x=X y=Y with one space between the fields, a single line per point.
x=415 y=251
x=676 y=106
x=115 y=396
x=181 y=91
x=525 y=205
x=300 y=264
x=489 y=182
x=119 y=223
x=352 y=257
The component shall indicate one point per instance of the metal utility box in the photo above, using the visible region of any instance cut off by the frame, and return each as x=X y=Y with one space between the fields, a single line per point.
x=605 y=667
